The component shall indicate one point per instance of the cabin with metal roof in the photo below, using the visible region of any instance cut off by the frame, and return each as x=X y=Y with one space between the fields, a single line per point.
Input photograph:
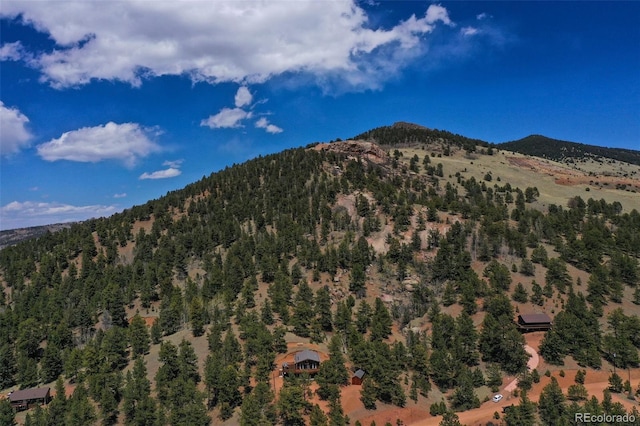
x=25 y=398
x=306 y=361
x=534 y=322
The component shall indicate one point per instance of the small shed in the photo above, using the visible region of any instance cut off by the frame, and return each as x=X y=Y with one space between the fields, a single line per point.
x=24 y=398
x=534 y=322
x=357 y=377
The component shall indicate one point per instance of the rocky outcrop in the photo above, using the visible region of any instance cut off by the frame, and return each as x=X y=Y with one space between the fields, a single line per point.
x=357 y=150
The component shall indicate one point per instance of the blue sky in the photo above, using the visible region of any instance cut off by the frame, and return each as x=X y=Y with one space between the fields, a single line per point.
x=104 y=107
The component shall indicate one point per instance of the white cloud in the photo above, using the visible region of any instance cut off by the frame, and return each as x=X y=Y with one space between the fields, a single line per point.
x=469 y=31
x=263 y=123
x=161 y=174
x=125 y=142
x=30 y=213
x=12 y=51
x=227 y=117
x=482 y=16
x=122 y=195
x=14 y=135
x=243 y=97
x=436 y=13
x=174 y=164
x=213 y=41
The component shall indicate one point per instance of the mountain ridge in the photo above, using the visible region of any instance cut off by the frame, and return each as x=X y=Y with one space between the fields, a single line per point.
x=559 y=150
x=407 y=133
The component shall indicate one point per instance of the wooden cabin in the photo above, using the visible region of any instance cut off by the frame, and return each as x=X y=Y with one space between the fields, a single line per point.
x=534 y=322
x=306 y=361
x=26 y=398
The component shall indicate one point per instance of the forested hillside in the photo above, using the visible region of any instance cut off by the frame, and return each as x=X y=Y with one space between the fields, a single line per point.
x=408 y=133
x=373 y=258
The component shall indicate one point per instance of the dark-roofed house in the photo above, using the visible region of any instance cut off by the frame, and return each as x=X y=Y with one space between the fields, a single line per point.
x=534 y=322
x=23 y=399
x=306 y=361
x=357 y=377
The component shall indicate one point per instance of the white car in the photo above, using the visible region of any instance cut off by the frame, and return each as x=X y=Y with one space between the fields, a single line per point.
x=497 y=397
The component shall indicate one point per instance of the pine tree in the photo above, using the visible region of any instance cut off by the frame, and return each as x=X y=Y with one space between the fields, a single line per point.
x=7 y=366
x=212 y=372
x=36 y=418
x=332 y=372
x=187 y=408
x=114 y=305
x=368 y=394
x=138 y=407
x=113 y=349
x=523 y=414
x=291 y=404
x=536 y=296
x=342 y=317
x=494 y=378
x=302 y=310
x=231 y=351
x=228 y=393
x=168 y=371
x=72 y=364
x=363 y=317
x=58 y=406
x=138 y=336
x=196 y=314
x=551 y=406
x=520 y=294
x=464 y=397
x=318 y=417
x=80 y=411
x=7 y=415
x=156 y=332
x=51 y=364
x=466 y=340
x=188 y=362
x=323 y=308
x=267 y=313
x=357 y=281
x=27 y=375
x=449 y=418
x=381 y=321
x=336 y=413
x=257 y=408
x=615 y=383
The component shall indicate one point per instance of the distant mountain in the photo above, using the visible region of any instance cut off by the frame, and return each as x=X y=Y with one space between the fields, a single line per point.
x=15 y=236
x=406 y=133
x=554 y=149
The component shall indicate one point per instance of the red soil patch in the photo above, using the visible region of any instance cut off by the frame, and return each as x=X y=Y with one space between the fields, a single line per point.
x=148 y=321
x=69 y=389
x=410 y=415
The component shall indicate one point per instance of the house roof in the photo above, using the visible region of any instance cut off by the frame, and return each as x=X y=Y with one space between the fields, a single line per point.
x=535 y=318
x=359 y=374
x=306 y=355
x=27 y=394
